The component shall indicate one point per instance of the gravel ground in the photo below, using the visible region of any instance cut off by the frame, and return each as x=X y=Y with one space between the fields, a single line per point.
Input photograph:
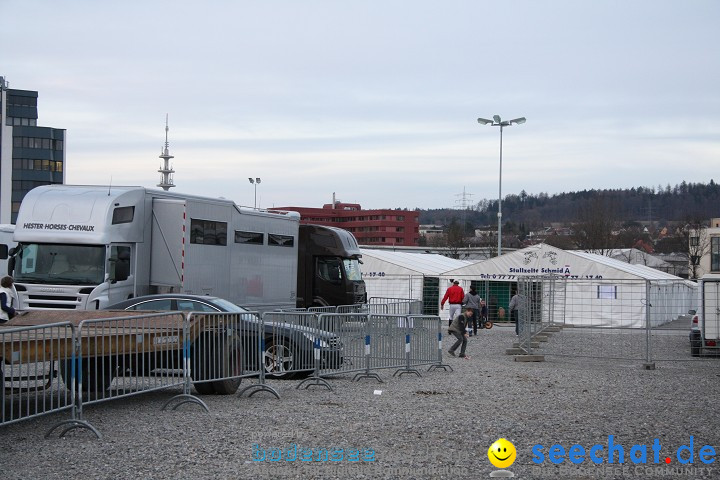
x=437 y=426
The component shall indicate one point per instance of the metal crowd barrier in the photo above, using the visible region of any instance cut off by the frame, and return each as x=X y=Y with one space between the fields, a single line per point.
x=29 y=356
x=122 y=356
x=224 y=348
x=293 y=345
x=372 y=342
x=106 y=359
x=395 y=306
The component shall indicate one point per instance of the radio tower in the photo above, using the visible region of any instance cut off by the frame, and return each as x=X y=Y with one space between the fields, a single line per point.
x=166 y=181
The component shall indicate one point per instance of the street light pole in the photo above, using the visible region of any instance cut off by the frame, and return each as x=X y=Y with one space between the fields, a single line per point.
x=498 y=122
x=255 y=182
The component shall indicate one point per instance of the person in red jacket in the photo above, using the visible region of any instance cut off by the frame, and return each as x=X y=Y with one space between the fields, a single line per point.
x=454 y=296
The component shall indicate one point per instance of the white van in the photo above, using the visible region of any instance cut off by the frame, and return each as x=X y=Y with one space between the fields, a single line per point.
x=705 y=326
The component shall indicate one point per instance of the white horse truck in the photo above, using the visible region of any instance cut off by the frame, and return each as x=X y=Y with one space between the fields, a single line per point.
x=87 y=247
x=705 y=326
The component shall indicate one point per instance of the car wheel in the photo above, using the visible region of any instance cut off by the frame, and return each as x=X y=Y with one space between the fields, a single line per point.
x=278 y=360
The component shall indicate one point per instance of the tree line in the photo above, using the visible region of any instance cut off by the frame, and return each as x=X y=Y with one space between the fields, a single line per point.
x=683 y=202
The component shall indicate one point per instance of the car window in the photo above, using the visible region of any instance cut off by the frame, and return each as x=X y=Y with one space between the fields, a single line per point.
x=160 y=304
x=192 y=306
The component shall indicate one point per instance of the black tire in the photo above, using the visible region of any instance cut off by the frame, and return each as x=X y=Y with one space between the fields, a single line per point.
x=97 y=374
x=213 y=357
x=695 y=349
x=279 y=359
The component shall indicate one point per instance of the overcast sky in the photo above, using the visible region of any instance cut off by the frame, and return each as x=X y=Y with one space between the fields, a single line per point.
x=376 y=101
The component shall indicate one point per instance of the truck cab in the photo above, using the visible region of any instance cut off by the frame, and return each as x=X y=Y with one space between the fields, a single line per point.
x=328 y=268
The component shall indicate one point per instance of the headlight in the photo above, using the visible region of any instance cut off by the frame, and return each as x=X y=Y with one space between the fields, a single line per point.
x=323 y=343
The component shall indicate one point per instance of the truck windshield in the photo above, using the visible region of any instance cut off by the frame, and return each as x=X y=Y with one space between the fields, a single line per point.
x=60 y=264
x=352 y=269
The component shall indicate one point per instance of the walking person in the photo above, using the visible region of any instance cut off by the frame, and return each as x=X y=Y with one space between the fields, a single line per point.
x=457 y=328
x=472 y=300
x=454 y=296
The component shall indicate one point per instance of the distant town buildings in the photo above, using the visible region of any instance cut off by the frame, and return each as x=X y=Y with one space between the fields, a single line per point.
x=30 y=156
x=704 y=247
x=370 y=227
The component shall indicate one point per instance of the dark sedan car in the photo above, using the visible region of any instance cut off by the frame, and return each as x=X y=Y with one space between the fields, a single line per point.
x=288 y=347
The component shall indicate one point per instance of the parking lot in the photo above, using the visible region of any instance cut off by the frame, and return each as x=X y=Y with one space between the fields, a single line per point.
x=436 y=426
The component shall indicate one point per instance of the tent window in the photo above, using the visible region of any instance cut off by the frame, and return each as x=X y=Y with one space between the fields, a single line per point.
x=607 y=292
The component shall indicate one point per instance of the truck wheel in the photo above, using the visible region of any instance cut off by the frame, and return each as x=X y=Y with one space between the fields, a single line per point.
x=278 y=359
x=97 y=374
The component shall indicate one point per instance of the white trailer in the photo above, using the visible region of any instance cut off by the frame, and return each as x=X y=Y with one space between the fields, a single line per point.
x=87 y=247
x=705 y=327
x=6 y=243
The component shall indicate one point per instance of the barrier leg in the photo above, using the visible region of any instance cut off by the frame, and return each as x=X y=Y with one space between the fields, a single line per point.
x=367 y=373
x=262 y=386
x=401 y=371
x=440 y=363
x=315 y=379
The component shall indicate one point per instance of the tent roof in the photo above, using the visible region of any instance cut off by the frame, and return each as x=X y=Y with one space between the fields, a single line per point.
x=423 y=263
x=636 y=269
x=544 y=259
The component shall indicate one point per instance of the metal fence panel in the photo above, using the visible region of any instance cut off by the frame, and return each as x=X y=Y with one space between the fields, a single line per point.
x=118 y=357
x=29 y=358
x=224 y=348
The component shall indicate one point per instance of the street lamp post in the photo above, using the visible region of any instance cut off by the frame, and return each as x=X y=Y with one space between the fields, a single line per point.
x=498 y=122
x=255 y=182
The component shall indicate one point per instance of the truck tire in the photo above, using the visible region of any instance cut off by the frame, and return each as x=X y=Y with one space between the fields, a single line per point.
x=278 y=359
x=214 y=357
x=97 y=374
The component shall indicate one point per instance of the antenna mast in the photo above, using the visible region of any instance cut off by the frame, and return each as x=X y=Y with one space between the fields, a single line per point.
x=166 y=180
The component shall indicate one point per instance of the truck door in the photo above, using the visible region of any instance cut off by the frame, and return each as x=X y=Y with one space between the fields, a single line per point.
x=166 y=256
x=328 y=284
x=120 y=270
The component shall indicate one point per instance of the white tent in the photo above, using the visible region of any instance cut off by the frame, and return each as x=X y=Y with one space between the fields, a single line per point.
x=592 y=289
x=405 y=275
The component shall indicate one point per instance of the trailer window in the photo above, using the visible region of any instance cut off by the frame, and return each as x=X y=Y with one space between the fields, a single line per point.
x=208 y=232
x=254 y=238
x=280 y=240
x=123 y=215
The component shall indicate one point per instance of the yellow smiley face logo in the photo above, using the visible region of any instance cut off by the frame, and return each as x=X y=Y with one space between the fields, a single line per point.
x=502 y=453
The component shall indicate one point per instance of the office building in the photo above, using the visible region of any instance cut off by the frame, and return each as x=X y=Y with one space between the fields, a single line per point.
x=370 y=227
x=30 y=156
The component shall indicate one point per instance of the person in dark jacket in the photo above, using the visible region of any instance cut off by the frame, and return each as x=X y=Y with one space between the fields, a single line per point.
x=483 y=313
x=472 y=300
x=457 y=328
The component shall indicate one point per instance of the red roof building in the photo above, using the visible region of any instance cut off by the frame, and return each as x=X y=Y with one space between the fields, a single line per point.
x=370 y=227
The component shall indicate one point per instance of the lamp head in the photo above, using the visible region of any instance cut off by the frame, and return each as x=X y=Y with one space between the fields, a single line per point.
x=257 y=180
x=484 y=121
x=519 y=121
x=497 y=118
x=251 y=180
